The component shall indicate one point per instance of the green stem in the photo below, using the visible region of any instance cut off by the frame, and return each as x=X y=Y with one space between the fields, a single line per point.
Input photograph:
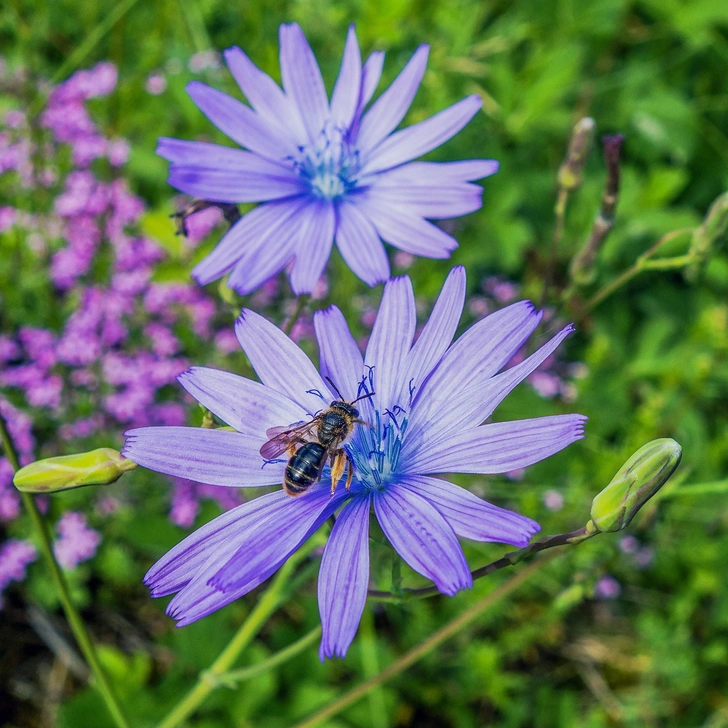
x=230 y=679
x=424 y=648
x=370 y=668
x=78 y=627
x=213 y=678
x=510 y=559
x=641 y=264
x=301 y=303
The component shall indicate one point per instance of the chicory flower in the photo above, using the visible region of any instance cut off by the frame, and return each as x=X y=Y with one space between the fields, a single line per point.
x=430 y=400
x=324 y=171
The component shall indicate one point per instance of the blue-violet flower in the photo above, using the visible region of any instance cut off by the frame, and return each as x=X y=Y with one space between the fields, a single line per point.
x=323 y=170
x=430 y=398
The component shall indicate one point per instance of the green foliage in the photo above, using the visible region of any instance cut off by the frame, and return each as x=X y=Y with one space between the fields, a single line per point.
x=655 y=356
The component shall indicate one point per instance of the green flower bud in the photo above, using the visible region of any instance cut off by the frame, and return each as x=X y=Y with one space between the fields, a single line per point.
x=98 y=467
x=635 y=483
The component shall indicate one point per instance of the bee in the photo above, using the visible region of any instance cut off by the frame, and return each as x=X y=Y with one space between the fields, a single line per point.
x=309 y=444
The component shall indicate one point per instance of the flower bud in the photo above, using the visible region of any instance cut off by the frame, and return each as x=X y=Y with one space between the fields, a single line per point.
x=635 y=483
x=98 y=467
x=569 y=176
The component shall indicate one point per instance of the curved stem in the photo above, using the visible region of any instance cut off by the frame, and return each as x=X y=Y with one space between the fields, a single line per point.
x=213 y=678
x=78 y=627
x=510 y=559
x=230 y=679
x=417 y=653
x=301 y=303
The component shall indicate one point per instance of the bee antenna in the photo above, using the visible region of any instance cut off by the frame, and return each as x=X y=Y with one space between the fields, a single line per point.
x=364 y=396
x=336 y=389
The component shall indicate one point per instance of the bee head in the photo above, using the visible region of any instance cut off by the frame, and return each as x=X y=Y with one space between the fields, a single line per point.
x=345 y=408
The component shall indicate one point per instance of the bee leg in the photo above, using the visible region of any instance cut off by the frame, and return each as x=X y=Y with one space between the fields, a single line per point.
x=363 y=422
x=349 y=471
x=338 y=462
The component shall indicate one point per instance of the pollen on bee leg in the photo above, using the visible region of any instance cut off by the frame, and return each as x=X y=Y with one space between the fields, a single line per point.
x=337 y=468
x=349 y=472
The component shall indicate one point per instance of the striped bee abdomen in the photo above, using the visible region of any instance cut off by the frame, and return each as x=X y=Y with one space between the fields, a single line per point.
x=304 y=468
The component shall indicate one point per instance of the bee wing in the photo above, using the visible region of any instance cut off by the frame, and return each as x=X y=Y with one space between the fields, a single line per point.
x=281 y=438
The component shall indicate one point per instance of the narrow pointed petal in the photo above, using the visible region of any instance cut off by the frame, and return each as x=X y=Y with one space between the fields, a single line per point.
x=436 y=174
x=391 y=339
x=268 y=255
x=340 y=357
x=487 y=346
x=360 y=245
x=240 y=122
x=216 y=457
x=390 y=108
x=416 y=140
x=469 y=516
x=259 y=554
x=472 y=405
x=224 y=174
x=264 y=94
x=302 y=79
x=430 y=202
x=436 y=336
x=245 y=237
x=498 y=447
x=315 y=240
x=401 y=227
x=423 y=538
x=248 y=406
x=344 y=578
x=181 y=563
x=345 y=98
x=281 y=364
x=202 y=597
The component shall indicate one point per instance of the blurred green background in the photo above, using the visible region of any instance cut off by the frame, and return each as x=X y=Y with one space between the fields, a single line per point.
x=554 y=654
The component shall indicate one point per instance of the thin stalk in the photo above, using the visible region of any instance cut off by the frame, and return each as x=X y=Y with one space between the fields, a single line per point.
x=510 y=559
x=370 y=668
x=417 y=653
x=301 y=303
x=232 y=678
x=212 y=678
x=78 y=626
x=643 y=263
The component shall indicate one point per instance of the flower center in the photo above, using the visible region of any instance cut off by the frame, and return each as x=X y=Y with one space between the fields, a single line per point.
x=375 y=450
x=329 y=165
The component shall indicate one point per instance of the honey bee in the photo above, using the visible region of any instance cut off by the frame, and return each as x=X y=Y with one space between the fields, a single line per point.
x=309 y=444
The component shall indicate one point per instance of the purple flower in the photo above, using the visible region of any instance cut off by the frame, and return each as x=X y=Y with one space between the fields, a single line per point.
x=15 y=556
x=430 y=400
x=324 y=170
x=77 y=542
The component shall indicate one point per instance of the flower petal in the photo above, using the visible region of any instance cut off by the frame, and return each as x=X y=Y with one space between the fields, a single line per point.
x=264 y=94
x=423 y=538
x=435 y=337
x=421 y=138
x=487 y=346
x=400 y=226
x=431 y=202
x=469 y=516
x=181 y=563
x=245 y=237
x=497 y=447
x=390 y=108
x=472 y=405
x=391 y=339
x=344 y=578
x=248 y=406
x=216 y=457
x=315 y=239
x=240 y=122
x=302 y=79
x=223 y=174
x=294 y=520
x=281 y=364
x=437 y=174
x=345 y=97
x=340 y=357
x=360 y=246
